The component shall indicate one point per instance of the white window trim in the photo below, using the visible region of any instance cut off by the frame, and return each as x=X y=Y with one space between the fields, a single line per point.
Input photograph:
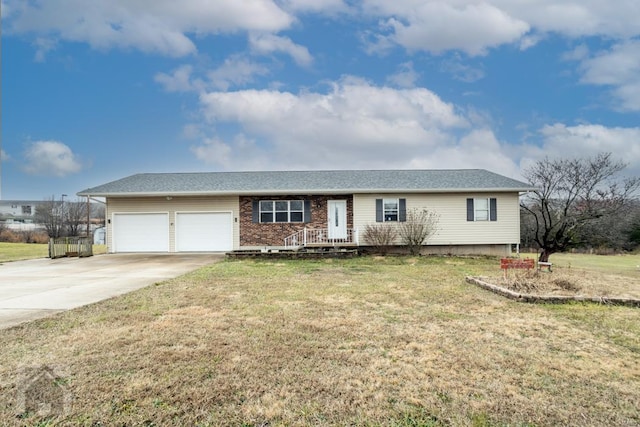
x=273 y=212
x=397 y=210
x=487 y=210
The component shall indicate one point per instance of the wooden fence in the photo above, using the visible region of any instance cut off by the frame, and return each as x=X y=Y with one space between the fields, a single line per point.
x=70 y=246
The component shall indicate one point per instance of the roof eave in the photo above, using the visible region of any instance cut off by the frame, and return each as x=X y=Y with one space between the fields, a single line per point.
x=303 y=191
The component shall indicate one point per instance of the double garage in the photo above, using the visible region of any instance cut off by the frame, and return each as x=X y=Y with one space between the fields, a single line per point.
x=153 y=232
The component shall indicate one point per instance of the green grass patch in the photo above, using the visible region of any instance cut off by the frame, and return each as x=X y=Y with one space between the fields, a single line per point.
x=22 y=251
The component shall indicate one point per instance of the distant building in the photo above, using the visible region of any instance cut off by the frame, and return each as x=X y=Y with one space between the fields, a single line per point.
x=19 y=214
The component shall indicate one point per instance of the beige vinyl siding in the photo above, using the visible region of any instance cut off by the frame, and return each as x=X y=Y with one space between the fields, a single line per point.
x=454 y=229
x=176 y=204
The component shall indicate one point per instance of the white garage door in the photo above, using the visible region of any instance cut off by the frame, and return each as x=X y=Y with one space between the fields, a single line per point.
x=204 y=232
x=148 y=232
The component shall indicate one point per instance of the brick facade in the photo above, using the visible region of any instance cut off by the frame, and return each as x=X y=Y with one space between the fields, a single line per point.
x=273 y=234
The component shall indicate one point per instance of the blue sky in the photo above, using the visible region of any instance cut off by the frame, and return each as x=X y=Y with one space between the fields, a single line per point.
x=93 y=91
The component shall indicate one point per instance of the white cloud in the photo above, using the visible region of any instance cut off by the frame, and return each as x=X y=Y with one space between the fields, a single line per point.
x=578 y=53
x=475 y=26
x=236 y=70
x=574 y=19
x=266 y=44
x=405 y=77
x=192 y=131
x=159 y=26
x=530 y=40
x=358 y=125
x=586 y=140
x=50 y=158
x=43 y=46
x=619 y=68
x=354 y=124
x=318 y=6
x=214 y=151
x=4 y=156
x=478 y=149
x=179 y=80
x=461 y=71
x=438 y=26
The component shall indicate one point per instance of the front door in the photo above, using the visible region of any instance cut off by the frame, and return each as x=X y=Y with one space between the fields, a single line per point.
x=337 y=219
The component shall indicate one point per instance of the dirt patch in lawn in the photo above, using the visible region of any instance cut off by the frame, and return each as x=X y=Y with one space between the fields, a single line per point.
x=569 y=282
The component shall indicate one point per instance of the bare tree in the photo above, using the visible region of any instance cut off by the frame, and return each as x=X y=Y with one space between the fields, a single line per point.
x=634 y=231
x=98 y=212
x=571 y=194
x=76 y=215
x=610 y=233
x=380 y=236
x=418 y=227
x=50 y=213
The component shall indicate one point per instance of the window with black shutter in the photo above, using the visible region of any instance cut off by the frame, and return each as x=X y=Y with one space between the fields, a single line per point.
x=482 y=209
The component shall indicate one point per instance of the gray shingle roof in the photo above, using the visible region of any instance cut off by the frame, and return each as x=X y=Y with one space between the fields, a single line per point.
x=308 y=182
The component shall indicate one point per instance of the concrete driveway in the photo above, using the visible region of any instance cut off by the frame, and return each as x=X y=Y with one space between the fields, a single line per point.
x=40 y=287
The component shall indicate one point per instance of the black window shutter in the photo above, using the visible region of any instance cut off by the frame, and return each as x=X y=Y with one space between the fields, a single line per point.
x=402 y=210
x=493 y=209
x=307 y=211
x=379 y=214
x=470 y=216
x=255 y=213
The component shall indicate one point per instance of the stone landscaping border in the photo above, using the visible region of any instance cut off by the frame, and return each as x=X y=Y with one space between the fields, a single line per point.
x=550 y=299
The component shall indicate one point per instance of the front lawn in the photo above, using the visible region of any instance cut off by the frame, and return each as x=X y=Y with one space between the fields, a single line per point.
x=19 y=251
x=22 y=251
x=624 y=264
x=369 y=341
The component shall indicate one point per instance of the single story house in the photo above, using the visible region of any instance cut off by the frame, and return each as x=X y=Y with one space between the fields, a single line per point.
x=222 y=211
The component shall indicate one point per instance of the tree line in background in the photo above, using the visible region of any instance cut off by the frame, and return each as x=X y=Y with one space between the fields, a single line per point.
x=582 y=203
x=55 y=218
x=617 y=233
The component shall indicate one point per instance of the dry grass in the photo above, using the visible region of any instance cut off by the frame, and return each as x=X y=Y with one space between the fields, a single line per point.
x=371 y=341
x=571 y=282
x=579 y=274
x=622 y=265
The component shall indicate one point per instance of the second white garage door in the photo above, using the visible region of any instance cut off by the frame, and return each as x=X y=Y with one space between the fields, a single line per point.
x=204 y=231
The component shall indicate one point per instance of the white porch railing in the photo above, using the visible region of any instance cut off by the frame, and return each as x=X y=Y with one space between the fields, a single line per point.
x=320 y=237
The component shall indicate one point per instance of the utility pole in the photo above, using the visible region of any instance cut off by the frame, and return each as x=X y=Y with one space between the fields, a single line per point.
x=63 y=216
x=88 y=217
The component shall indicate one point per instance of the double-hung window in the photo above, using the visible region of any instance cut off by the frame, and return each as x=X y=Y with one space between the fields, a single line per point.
x=391 y=210
x=390 y=207
x=482 y=209
x=281 y=211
